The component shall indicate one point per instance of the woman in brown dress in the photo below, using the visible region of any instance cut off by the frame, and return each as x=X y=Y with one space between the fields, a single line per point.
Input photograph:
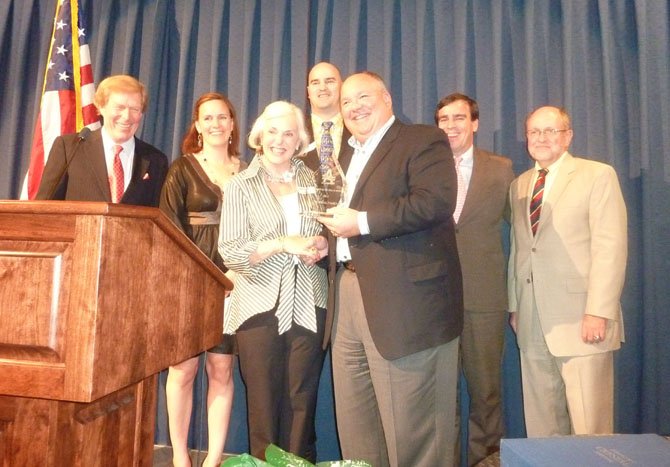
x=192 y=197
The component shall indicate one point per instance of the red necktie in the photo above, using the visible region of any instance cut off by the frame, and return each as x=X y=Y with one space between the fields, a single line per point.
x=536 y=200
x=116 y=181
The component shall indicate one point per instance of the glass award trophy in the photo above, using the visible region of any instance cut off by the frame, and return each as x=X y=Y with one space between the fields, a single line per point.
x=330 y=188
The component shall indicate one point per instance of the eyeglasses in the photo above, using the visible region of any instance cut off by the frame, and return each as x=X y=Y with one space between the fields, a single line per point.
x=547 y=132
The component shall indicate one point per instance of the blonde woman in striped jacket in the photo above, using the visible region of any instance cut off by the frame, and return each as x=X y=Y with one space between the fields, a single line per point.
x=277 y=308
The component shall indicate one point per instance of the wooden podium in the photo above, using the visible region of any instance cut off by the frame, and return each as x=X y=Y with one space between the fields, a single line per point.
x=95 y=300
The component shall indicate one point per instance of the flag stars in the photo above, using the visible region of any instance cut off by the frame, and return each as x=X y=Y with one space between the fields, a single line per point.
x=61 y=74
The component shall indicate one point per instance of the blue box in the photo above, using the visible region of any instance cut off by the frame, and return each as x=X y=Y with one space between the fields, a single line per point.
x=586 y=451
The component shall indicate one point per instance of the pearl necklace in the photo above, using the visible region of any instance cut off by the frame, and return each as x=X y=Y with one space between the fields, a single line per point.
x=286 y=177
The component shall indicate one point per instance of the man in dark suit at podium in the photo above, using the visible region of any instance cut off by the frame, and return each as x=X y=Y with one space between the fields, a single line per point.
x=109 y=164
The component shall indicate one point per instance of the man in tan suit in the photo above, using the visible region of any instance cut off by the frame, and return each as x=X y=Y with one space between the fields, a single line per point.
x=566 y=273
x=484 y=180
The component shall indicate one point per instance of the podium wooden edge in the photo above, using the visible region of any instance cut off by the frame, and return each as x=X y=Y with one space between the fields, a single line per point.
x=119 y=210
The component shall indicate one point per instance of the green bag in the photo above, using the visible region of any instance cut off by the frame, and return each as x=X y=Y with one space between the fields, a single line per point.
x=354 y=463
x=244 y=460
x=277 y=457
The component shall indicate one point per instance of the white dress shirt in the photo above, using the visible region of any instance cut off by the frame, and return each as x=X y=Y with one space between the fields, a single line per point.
x=359 y=160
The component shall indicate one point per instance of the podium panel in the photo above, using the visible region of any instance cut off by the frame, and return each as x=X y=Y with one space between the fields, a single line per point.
x=96 y=299
x=110 y=431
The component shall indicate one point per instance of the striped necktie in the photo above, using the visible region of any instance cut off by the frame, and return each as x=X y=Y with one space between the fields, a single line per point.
x=536 y=200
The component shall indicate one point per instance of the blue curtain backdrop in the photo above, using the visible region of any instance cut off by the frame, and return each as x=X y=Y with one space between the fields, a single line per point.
x=607 y=62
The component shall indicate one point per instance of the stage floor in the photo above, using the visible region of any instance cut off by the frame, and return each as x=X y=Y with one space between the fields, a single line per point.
x=163 y=458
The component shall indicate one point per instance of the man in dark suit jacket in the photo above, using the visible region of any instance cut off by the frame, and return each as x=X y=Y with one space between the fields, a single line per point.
x=398 y=292
x=121 y=100
x=323 y=91
x=482 y=204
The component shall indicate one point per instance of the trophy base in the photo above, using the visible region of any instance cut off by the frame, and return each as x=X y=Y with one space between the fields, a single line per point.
x=315 y=214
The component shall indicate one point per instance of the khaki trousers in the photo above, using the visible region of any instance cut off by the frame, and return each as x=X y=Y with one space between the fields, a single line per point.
x=566 y=395
x=390 y=412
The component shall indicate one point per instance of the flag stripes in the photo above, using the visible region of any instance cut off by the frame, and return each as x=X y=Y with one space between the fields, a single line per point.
x=67 y=93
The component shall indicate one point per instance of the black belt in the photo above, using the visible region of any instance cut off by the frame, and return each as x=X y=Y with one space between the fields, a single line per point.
x=348 y=265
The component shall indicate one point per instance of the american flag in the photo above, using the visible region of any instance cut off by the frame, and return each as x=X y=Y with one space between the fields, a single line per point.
x=67 y=94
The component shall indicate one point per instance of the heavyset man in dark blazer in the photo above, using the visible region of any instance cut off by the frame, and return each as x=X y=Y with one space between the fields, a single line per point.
x=121 y=101
x=482 y=205
x=397 y=289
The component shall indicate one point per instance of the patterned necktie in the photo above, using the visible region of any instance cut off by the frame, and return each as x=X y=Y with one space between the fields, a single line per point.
x=326 y=150
x=116 y=181
x=536 y=200
x=462 y=190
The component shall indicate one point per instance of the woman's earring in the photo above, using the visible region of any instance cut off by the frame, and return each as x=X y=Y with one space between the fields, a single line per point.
x=199 y=140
